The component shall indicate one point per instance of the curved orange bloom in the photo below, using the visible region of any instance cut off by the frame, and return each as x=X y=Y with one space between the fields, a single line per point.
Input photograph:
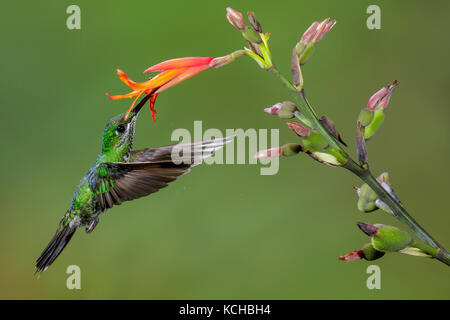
x=173 y=72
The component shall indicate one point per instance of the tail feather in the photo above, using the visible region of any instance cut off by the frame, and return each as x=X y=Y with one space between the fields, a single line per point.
x=54 y=248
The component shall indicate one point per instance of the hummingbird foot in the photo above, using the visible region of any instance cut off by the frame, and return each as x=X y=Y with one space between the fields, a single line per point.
x=91 y=226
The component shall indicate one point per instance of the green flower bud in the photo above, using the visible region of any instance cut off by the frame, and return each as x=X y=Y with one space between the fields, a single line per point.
x=291 y=149
x=287 y=110
x=251 y=35
x=367 y=252
x=370 y=253
x=306 y=54
x=374 y=125
x=390 y=238
x=366 y=201
x=386 y=238
x=315 y=141
x=365 y=117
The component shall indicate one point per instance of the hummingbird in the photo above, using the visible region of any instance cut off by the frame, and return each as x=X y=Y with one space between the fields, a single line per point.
x=121 y=174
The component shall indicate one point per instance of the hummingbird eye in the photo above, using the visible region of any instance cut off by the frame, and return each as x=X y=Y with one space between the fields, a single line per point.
x=120 y=129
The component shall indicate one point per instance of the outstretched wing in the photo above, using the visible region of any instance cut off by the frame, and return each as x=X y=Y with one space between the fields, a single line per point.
x=116 y=182
x=192 y=152
x=153 y=169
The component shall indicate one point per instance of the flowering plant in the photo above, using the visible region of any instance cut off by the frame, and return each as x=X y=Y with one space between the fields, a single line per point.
x=318 y=136
x=320 y=140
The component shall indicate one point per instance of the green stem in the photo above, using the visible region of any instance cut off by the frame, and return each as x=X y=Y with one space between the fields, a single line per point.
x=305 y=108
x=363 y=173
x=399 y=212
x=433 y=252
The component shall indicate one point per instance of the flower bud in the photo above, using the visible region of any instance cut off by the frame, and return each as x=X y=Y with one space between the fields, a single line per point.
x=325 y=158
x=383 y=206
x=291 y=149
x=315 y=33
x=222 y=61
x=383 y=179
x=284 y=110
x=304 y=52
x=268 y=153
x=315 y=142
x=372 y=116
x=376 y=122
x=367 y=252
x=273 y=109
x=236 y=19
x=365 y=117
x=251 y=35
x=328 y=124
x=370 y=253
x=380 y=99
x=298 y=128
x=386 y=238
x=366 y=201
x=361 y=150
x=368 y=229
x=255 y=24
x=297 y=76
x=352 y=256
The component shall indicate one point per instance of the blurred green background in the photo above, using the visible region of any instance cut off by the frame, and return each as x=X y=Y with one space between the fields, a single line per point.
x=222 y=231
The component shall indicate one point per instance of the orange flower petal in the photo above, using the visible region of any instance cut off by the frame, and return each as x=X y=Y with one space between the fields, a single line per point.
x=156 y=81
x=180 y=63
x=131 y=107
x=186 y=74
x=151 y=104
x=125 y=79
x=123 y=96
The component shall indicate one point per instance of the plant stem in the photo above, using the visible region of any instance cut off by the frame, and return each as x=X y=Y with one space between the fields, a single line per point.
x=399 y=212
x=305 y=108
x=363 y=173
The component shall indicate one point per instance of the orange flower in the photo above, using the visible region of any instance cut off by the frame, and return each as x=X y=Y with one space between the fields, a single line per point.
x=172 y=72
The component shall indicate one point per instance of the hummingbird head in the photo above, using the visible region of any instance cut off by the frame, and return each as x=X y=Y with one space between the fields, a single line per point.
x=118 y=135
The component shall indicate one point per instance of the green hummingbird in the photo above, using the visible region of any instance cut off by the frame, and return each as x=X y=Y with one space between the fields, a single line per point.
x=121 y=174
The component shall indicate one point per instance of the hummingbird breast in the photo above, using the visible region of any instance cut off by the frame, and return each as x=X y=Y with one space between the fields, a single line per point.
x=84 y=203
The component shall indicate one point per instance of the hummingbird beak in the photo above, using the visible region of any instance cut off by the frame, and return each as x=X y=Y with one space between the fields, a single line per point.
x=151 y=97
x=141 y=103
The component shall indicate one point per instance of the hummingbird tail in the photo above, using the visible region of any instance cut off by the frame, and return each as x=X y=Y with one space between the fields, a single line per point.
x=54 y=248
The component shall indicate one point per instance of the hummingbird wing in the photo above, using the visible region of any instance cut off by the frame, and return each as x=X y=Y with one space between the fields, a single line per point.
x=152 y=169
x=194 y=152
x=116 y=182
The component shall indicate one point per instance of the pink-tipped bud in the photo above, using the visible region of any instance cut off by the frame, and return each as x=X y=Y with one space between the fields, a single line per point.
x=236 y=19
x=320 y=29
x=310 y=32
x=273 y=109
x=269 y=153
x=352 y=256
x=298 y=128
x=285 y=109
x=368 y=229
x=381 y=97
x=317 y=31
x=326 y=29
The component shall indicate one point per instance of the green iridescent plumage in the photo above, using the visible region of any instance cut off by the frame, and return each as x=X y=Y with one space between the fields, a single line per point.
x=121 y=174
